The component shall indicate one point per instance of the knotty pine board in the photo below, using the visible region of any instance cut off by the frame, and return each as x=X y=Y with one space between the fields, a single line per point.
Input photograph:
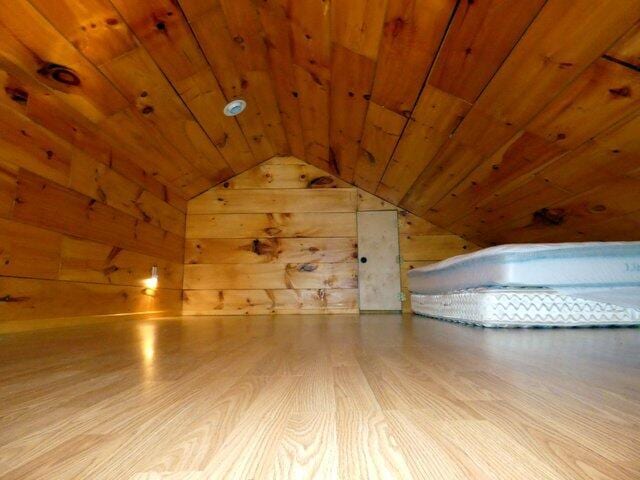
x=78 y=237
x=257 y=302
x=270 y=250
x=275 y=201
x=35 y=299
x=300 y=262
x=278 y=225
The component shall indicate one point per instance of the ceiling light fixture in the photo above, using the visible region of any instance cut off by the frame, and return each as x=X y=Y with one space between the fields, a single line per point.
x=235 y=107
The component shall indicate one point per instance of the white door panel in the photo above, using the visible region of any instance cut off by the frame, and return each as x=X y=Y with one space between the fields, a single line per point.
x=379 y=271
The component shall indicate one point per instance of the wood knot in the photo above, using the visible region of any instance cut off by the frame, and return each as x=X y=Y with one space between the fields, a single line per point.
x=370 y=157
x=307 y=267
x=10 y=299
x=161 y=26
x=17 y=94
x=598 y=208
x=109 y=270
x=59 y=73
x=396 y=26
x=620 y=92
x=147 y=110
x=320 y=182
x=549 y=216
x=260 y=248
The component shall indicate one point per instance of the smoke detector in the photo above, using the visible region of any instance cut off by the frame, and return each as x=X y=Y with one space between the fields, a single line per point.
x=235 y=107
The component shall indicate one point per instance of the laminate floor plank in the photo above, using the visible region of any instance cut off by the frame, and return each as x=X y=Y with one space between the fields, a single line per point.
x=319 y=396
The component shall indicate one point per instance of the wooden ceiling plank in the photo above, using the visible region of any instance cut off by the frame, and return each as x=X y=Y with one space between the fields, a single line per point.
x=600 y=97
x=202 y=95
x=275 y=24
x=471 y=25
x=499 y=213
x=606 y=202
x=357 y=25
x=93 y=27
x=435 y=117
x=623 y=228
x=60 y=43
x=521 y=156
x=161 y=157
x=43 y=106
x=43 y=49
x=453 y=161
x=351 y=80
x=477 y=43
x=552 y=52
x=309 y=23
x=603 y=94
x=229 y=63
x=564 y=39
x=609 y=156
x=138 y=76
x=382 y=129
x=314 y=113
x=246 y=29
x=412 y=34
x=166 y=35
x=604 y=158
x=159 y=108
x=627 y=49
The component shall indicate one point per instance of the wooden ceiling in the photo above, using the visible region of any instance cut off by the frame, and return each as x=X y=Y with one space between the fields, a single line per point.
x=500 y=120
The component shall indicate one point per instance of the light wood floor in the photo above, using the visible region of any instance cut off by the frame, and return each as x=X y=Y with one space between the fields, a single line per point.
x=375 y=396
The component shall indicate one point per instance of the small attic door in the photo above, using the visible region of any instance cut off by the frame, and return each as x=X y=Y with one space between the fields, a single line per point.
x=378 y=256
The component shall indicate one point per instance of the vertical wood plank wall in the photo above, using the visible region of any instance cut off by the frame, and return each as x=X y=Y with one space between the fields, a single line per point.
x=281 y=238
x=77 y=237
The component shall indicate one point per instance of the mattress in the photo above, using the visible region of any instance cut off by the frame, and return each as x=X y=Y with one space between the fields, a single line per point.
x=522 y=307
x=590 y=265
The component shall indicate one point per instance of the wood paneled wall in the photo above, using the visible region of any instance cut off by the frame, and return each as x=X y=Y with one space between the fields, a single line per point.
x=78 y=237
x=279 y=238
x=282 y=238
x=422 y=243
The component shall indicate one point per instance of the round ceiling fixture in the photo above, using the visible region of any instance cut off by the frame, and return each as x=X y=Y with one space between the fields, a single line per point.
x=235 y=107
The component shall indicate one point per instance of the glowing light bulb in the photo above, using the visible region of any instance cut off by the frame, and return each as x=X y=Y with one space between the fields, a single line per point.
x=152 y=282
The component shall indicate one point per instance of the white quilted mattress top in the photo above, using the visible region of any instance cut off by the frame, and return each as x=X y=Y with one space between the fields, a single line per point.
x=589 y=265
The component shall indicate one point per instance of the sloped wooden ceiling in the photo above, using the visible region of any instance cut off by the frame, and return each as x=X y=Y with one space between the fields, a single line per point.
x=500 y=120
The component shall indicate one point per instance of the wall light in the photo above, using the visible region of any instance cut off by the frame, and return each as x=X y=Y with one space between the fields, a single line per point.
x=151 y=283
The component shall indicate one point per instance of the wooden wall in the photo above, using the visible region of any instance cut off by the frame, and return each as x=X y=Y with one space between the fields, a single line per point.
x=422 y=243
x=282 y=238
x=78 y=232
x=279 y=238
